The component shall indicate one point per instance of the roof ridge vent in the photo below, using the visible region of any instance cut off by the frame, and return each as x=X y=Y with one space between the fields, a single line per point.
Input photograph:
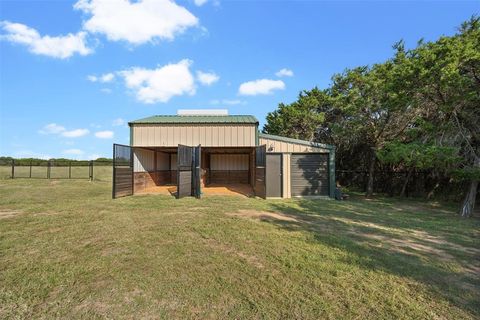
x=202 y=112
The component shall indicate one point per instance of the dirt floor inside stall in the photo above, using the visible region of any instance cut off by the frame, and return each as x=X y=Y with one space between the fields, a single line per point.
x=240 y=189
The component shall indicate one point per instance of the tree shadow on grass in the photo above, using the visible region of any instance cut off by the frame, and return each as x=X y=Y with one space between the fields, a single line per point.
x=408 y=240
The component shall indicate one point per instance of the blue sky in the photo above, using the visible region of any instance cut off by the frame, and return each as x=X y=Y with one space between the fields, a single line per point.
x=72 y=73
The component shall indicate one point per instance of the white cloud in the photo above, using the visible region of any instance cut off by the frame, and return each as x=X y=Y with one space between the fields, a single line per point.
x=75 y=133
x=227 y=102
x=200 y=3
x=104 y=134
x=284 y=73
x=52 y=128
x=207 y=78
x=232 y=102
x=107 y=77
x=118 y=122
x=76 y=152
x=104 y=78
x=106 y=90
x=162 y=83
x=136 y=22
x=261 y=86
x=61 y=47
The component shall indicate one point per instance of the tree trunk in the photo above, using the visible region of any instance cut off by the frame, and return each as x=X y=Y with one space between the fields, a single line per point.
x=404 y=187
x=469 y=201
x=371 y=174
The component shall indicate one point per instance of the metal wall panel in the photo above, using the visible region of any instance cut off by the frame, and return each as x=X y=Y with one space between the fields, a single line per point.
x=280 y=146
x=286 y=175
x=309 y=175
x=273 y=176
x=163 y=161
x=224 y=162
x=207 y=135
x=143 y=160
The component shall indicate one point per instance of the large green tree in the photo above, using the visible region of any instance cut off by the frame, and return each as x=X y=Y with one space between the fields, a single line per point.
x=426 y=96
x=448 y=71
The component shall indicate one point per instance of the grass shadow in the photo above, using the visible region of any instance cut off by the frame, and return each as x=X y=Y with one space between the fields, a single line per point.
x=406 y=239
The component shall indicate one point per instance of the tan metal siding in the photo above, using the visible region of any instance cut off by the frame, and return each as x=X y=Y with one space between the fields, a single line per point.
x=238 y=135
x=286 y=175
x=143 y=160
x=280 y=146
x=229 y=162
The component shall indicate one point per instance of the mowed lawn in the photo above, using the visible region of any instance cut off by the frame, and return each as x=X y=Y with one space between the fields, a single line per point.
x=67 y=250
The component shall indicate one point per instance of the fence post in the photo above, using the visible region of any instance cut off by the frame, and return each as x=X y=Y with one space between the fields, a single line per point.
x=48 y=169
x=30 y=168
x=13 y=168
x=91 y=170
x=70 y=170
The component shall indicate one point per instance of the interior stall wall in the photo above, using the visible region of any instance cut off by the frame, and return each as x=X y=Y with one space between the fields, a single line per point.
x=234 y=162
x=151 y=168
x=143 y=169
x=143 y=160
x=229 y=168
x=163 y=160
x=162 y=175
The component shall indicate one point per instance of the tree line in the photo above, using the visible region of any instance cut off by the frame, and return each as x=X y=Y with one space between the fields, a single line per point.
x=418 y=111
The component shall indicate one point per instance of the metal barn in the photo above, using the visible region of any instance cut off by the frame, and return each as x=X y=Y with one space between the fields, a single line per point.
x=196 y=155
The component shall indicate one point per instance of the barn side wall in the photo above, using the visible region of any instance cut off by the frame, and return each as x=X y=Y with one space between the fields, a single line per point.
x=207 y=135
x=281 y=146
x=287 y=148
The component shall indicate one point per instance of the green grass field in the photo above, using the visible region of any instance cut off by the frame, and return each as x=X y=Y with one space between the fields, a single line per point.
x=67 y=250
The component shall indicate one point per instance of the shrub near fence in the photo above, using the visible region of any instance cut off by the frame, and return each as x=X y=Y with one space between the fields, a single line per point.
x=55 y=169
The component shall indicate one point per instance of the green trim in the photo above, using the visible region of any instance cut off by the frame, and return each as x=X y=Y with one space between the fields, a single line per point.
x=174 y=119
x=297 y=141
x=257 y=139
x=131 y=135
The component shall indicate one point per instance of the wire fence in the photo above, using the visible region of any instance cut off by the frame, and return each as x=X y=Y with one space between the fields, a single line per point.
x=55 y=169
x=414 y=184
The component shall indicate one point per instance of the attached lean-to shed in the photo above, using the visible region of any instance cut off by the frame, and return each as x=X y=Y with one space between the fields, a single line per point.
x=195 y=155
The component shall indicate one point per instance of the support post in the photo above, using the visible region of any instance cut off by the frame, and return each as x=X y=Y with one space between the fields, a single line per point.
x=48 y=169
x=70 y=170
x=91 y=170
x=30 y=169
x=113 y=173
x=13 y=168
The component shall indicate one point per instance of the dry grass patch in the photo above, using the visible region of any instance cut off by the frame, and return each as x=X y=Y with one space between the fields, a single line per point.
x=5 y=213
x=262 y=215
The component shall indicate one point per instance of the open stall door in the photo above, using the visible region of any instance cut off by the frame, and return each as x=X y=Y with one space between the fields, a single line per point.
x=122 y=171
x=188 y=171
x=260 y=166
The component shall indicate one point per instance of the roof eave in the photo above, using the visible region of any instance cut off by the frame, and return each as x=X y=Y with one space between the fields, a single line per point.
x=297 y=141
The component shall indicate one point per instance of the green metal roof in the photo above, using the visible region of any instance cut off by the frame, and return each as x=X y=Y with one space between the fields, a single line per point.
x=296 y=141
x=166 y=119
